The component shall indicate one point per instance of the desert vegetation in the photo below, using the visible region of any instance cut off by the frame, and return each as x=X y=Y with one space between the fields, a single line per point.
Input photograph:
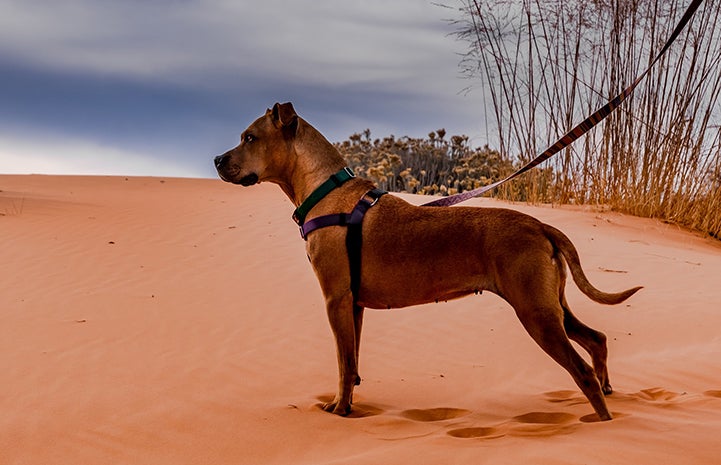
x=543 y=66
x=432 y=165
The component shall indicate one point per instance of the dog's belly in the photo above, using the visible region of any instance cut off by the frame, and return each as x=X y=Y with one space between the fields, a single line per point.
x=401 y=299
x=402 y=283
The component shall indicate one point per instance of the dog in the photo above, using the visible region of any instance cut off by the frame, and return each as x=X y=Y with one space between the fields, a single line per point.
x=412 y=255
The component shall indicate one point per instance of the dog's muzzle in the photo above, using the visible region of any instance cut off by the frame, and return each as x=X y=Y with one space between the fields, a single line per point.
x=221 y=165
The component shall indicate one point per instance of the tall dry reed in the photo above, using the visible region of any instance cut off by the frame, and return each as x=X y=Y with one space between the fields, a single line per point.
x=545 y=65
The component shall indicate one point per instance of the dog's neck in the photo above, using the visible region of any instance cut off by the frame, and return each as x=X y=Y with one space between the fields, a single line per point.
x=316 y=159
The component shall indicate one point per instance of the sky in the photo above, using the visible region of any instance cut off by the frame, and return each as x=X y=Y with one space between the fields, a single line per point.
x=159 y=87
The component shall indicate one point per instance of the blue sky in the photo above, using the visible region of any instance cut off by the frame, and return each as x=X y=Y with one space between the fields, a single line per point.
x=159 y=87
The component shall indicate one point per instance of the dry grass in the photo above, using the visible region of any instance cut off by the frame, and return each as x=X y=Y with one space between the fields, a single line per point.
x=432 y=165
x=545 y=65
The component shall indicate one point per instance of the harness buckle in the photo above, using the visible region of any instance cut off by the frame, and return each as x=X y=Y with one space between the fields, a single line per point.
x=337 y=180
x=374 y=195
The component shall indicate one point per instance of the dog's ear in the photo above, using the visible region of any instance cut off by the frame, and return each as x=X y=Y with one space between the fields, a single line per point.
x=284 y=116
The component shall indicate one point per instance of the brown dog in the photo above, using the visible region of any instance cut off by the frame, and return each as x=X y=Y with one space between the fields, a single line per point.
x=413 y=255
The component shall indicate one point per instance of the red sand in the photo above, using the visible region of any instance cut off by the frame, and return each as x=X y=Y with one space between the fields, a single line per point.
x=177 y=321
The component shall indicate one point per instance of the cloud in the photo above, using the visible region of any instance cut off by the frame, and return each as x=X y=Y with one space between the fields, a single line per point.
x=321 y=42
x=178 y=80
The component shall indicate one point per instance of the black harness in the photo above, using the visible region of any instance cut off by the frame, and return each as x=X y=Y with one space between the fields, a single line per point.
x=353 y=221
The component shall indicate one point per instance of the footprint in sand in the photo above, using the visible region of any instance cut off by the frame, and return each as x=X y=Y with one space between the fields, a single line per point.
x=566 y=397
x=657 y=394
x=434 y=414
x=477 y=433
x=445 y=413
x=529 y=424
x=543 y=424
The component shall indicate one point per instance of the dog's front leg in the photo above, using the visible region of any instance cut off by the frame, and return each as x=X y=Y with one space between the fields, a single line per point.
x=342 y=320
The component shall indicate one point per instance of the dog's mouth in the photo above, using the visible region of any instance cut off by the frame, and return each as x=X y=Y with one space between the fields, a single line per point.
x=248 y=180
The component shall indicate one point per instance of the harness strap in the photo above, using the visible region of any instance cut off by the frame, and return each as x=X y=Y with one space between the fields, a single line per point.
x=343 y=219
x=354 y=236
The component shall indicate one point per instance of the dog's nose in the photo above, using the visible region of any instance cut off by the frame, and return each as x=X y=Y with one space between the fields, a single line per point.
x=220 y=161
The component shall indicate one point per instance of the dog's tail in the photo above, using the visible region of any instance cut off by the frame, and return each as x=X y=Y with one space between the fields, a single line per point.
x=566 y=247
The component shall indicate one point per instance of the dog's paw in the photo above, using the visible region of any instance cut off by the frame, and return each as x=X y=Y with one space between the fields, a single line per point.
x=607 y=389
x=605 y=386
x=337 y=408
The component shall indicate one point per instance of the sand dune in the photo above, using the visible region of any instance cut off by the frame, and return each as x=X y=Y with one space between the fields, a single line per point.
x=177 y=321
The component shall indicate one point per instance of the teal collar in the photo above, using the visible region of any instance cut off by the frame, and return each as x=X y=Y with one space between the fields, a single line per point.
x=335 y=180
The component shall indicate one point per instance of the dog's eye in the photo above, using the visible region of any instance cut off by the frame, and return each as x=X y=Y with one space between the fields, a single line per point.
x=248 y=138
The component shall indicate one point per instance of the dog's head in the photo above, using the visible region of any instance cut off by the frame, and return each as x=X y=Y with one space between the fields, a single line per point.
x=264 y=148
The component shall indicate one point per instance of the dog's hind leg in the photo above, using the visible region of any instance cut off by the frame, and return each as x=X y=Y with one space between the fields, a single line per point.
x=342 y=320
x=545 y=325
x=534 y=294
x=592 y=341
